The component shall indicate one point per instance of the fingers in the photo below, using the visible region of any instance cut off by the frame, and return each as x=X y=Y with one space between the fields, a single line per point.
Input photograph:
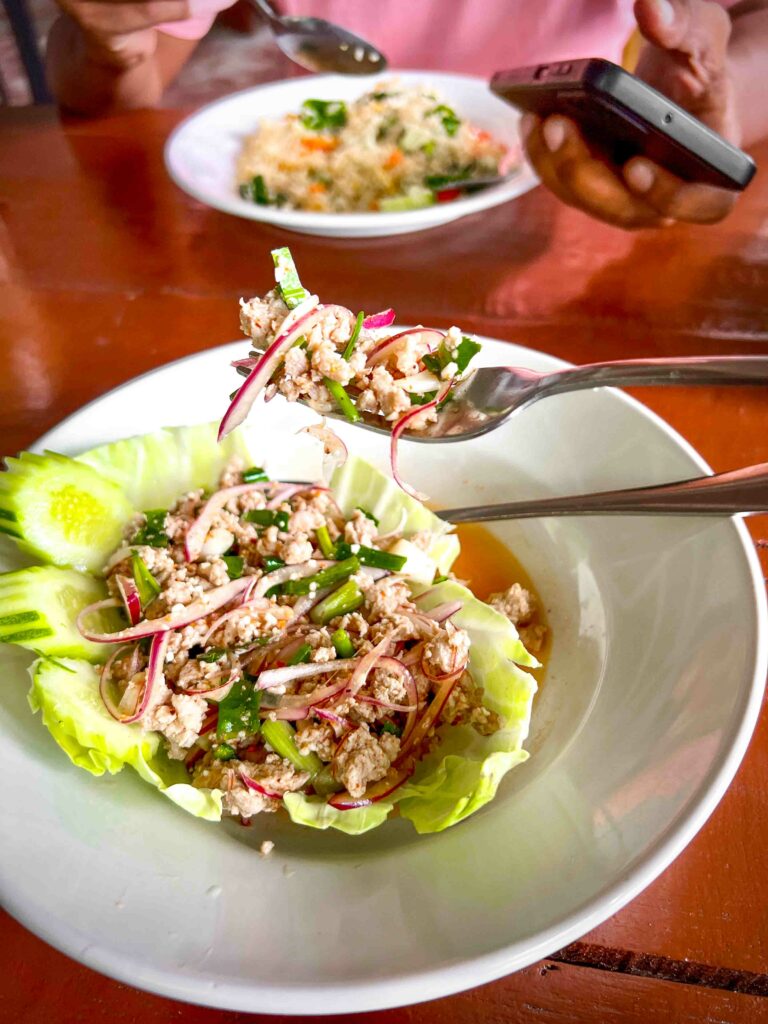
x=689 y=50
x=117 y=19
x=671 y=197
x=566 y=166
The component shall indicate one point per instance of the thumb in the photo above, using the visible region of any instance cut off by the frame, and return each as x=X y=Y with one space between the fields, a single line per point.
x=698 y=29
x=687 y=57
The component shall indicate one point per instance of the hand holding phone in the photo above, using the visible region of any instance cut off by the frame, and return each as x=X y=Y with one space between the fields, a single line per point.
x=608 y=148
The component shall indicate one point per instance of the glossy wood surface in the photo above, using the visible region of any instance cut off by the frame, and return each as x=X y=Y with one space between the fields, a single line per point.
x=108 y=270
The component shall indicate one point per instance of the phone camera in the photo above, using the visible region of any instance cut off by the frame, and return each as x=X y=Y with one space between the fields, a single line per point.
x=667 y=119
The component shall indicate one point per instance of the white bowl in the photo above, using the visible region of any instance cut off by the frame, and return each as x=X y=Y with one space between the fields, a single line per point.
x=654 y=686
x=201 y=152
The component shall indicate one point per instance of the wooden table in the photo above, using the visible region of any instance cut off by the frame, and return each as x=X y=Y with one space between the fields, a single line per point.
x=108 y=270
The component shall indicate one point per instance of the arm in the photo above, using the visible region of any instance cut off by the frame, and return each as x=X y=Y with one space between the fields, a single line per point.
x=708 y=61
x=105 y=56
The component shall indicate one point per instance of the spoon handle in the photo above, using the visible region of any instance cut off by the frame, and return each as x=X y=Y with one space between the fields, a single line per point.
x=267 y=10
x=742 y=491
x=711 y=370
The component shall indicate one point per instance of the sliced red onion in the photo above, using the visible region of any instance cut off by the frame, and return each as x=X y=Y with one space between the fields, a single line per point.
x=333 y=446
x=219 y=622
x=261 y=374
x=366 y=663
x=419 y=733
x=198 y=528
x=384 y=349
x=419 y=383
x=250 y=783
x=440 y=677
x=280 y=676
x=383 y=319
x=215 y=693
x=154 y=674
x=444 y=611
x=97 y=606
x=413 y=657
x=332 y=717
x=291 y=490
x=119 y=556
x=130 y=594
x=304 y=605
x=398 y=429
x=299 y=706
x=394 y=778
x=405 y=708
x=247 y=363
x=211 y=601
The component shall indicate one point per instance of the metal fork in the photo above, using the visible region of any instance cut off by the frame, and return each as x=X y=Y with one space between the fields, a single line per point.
x=740 y=492
x=489 y=396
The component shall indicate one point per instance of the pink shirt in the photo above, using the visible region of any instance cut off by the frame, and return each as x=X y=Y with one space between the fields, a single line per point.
x=473 y=36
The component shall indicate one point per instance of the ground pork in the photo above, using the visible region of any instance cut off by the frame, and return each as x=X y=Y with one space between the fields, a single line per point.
x=517 y=603
x=359 y=529
x=316 y=737
x=465 y=707
x=360 y=760
x=179 y=721
x=448 y=650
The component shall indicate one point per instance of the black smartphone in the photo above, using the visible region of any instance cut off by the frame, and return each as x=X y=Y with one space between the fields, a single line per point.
x=624 y=117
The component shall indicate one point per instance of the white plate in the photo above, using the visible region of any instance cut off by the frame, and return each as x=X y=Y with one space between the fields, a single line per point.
x=655 y=683
x=200 y=154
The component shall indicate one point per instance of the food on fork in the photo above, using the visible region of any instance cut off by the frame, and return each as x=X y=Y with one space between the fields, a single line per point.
x=395 y=148
x=332 y=359
x=249 y=645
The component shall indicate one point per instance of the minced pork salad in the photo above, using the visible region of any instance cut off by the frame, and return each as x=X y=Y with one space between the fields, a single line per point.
x=250 y=645
x=334 y=359
x=394 y=148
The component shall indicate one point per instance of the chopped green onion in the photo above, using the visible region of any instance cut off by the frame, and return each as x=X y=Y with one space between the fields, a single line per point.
x=267 y=517
x=342 y=399
x=232 y=394
x=301 y=341
x=325 y=578
x=367 y=514
x=234 y=564
x=224 y=752
x=373 y=557
x=381 y=95
x=254 y=475
x=146 y=584
x=347 y=598
x=324 y=541
x=317 y=115
x=448 y=117
x=427 y=396
x=428 y=148
x=281 y=738
x=301 y=656
x=391 y=727
x=350 y=346
x=343 y=644
x=463 y=354
x=212 y=655
x=152 y=533
x=271 y=563
x=256 y=191
x=439 y=579
x=287 y=277
x=239 y=710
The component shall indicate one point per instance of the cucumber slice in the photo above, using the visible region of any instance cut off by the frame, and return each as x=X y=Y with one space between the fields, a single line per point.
x=61 y=510
x=73 y=712
x=281 y=737
x=38 y=608
x=154 y=469
x=67 y=694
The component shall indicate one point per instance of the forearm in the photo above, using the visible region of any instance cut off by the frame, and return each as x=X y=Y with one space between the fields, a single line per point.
x=85 y=82
x=748 y=63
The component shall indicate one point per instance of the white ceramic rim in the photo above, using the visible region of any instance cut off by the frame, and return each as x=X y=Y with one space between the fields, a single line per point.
x=341 y=225
x=439 y=982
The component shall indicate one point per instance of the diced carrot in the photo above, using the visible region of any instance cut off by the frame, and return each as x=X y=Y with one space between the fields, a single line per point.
x=317 y=188
x=319 y=142
x=394 y=159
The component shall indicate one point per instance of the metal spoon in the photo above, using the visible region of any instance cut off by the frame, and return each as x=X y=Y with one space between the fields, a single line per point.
x=742 y=491
x=319 y=46
x=489 y=396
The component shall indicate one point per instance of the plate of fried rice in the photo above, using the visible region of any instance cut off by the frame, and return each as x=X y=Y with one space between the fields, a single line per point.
x=329 y=155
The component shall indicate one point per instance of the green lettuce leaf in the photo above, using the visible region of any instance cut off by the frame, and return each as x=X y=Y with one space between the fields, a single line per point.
x=464 y=771
x=67 y=696
x=154 y=469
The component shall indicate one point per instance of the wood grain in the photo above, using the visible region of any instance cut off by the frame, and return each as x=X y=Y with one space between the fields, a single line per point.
x=107 y=270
